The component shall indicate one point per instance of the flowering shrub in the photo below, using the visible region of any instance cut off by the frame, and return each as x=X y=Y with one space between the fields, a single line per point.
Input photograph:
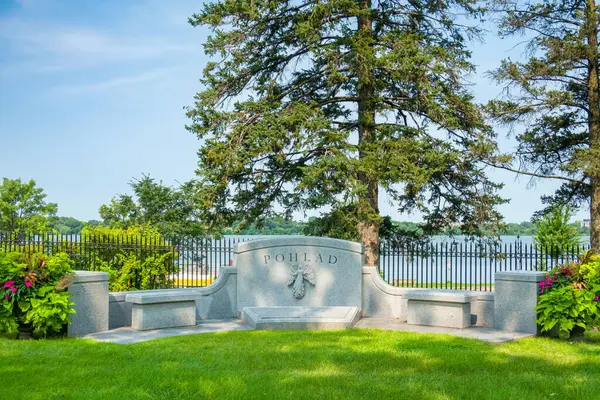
x=570 y=296
x=33 y=291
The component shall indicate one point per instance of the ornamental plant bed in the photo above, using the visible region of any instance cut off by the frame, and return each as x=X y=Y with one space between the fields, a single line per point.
x=33 y=293
x=569 y=301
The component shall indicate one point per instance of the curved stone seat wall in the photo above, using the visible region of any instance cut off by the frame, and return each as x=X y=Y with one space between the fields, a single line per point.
x=216 y=301
x=381 y=300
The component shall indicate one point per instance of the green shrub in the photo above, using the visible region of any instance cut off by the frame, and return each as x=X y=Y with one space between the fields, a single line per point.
x=136 y=258
x=34 y=292
x=570 y=295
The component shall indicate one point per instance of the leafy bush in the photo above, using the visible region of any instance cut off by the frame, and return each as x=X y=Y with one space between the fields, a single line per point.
x=569 y=296
x=34 y=292
x=135 y=258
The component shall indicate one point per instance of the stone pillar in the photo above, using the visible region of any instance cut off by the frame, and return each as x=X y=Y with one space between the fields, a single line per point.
x=89 y=291
x=516 y=298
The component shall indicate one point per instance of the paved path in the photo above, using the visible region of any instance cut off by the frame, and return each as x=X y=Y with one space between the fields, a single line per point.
x=475 y=332
x=127 y=335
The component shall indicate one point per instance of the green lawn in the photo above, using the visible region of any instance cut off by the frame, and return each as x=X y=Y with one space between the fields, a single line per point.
x=360 y=364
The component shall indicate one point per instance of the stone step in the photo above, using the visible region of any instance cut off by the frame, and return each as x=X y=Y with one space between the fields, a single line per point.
x=299 y=318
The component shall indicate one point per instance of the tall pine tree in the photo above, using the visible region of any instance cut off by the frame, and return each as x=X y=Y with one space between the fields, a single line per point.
x=318 y=104
x=555 y=95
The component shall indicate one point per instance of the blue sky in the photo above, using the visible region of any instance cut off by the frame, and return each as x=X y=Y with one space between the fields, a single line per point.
x=92 y=95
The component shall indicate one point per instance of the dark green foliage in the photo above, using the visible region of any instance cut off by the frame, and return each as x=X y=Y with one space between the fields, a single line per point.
x=343 y=224
x=67 y=225
x=33 y=291
x=569 y=296
x=334 y=225
x=554 y=95
x=554 y=234
x=269 y=226
x=525 y=228
x=23 y=207
x=170 y=210
x=528 y=228
x=317 y=104
x=136 y=258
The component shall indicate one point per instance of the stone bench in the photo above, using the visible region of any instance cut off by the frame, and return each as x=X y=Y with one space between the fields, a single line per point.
x=295 y=318
x=444 y=308
x=162 y=309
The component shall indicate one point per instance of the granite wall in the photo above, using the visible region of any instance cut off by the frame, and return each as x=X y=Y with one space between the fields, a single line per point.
x=298 y=271
x=89 y=292
x=381 y=300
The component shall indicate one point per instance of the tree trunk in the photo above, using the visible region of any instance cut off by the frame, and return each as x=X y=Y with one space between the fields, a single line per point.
x=368 y=203
x=594 y=120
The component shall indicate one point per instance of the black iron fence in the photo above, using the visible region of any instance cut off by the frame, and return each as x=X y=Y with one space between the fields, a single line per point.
x=466 y=265
x=153 y=261
x=194 y=262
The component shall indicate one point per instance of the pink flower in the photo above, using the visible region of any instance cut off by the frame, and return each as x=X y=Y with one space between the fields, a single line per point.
x=28 y=284
x=13 y=289
x=8 y=284
x=596 y=298
x=6 y=296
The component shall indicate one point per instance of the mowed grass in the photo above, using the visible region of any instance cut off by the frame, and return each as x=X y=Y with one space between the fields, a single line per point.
x=352 y=364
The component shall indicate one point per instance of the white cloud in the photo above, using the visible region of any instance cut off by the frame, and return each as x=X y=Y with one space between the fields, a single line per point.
x=115 y=83
x=45 y=48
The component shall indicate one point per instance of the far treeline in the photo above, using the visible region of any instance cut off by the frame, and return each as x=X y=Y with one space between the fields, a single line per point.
x=282 y=226
x=168 y=210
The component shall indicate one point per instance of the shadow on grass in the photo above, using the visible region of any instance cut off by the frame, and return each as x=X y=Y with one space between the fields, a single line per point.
x=340 y=364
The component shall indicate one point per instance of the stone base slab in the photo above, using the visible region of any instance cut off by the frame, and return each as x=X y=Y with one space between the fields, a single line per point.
x=437 y=313
x=300 y=318
x=163 y=315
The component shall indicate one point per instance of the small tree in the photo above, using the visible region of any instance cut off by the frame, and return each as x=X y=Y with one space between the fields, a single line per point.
x=170 y=210
x=554 y=232
x=23 y=207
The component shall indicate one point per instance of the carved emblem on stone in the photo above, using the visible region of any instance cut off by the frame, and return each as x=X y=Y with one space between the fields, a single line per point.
x=298 y=274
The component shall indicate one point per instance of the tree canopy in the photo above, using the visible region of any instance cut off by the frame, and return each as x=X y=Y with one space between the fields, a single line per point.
x=554 y=234
x=554 y=96
x=23 y=207
x=320 y=104
x=170 y=210
x=70 y=225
